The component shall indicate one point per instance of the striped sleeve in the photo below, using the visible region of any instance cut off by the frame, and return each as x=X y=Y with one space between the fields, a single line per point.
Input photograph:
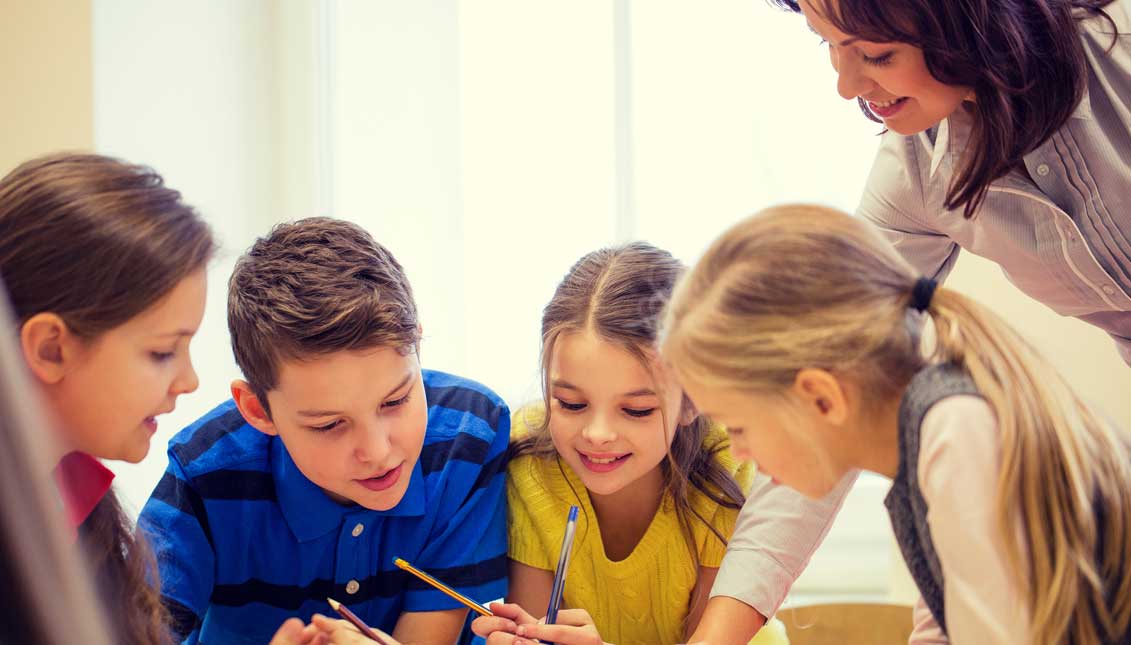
x=176 y=524
x=467 y=547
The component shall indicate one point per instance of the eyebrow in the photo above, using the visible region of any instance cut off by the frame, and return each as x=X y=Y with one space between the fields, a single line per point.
x=179 y=332
x=566 y=385
x=327 y=413
x=844 y=43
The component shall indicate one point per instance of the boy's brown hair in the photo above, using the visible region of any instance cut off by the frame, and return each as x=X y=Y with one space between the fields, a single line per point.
x=313 y=287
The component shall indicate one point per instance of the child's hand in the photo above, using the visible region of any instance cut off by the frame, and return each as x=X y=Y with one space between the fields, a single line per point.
x=293 y=632
x=499 y=629
x=323 y=631
x=573 y=627
x=341 y=632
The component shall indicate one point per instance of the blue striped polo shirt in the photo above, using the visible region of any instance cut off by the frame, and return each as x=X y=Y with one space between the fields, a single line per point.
x=244 y=540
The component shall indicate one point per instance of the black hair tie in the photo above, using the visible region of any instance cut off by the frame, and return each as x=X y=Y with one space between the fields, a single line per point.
x=921 y=293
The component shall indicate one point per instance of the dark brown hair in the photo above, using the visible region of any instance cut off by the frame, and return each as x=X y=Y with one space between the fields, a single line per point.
x=1023 y=58
x=311 y=287
x=97 y=241
x=618 y=294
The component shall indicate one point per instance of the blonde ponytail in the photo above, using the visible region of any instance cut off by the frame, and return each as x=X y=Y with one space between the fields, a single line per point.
x=1059 y=466
x=805 y=286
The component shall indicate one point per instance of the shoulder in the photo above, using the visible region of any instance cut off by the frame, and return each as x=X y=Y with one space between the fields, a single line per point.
x=958 y=439
x=958 y=418
x=465 y=444
x=1098 y=30
x=219 y=440
x=457 y=405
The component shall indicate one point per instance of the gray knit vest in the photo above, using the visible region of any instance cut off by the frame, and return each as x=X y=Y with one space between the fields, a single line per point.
x=906 y=506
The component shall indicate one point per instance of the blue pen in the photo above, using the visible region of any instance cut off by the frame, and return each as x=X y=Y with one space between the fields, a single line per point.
x=563 y=565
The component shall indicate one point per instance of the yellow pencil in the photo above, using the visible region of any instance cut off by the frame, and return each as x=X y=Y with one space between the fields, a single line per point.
x=467 y=602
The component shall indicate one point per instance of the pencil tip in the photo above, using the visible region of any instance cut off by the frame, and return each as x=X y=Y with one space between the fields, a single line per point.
x=334 y=604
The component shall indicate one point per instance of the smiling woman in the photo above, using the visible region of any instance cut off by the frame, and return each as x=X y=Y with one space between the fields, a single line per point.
x=1007 y=131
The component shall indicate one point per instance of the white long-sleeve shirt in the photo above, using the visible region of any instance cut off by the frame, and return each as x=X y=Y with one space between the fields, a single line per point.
x=959 y=464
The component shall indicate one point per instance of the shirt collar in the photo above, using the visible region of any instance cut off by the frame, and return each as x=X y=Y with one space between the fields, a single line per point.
x=309 y=511
x=952 y=133
x=1084 y=107
x=82 y=481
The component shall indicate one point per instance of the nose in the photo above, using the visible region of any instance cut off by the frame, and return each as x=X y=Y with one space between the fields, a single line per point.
x=852 y=79
x=599 y=432
x=186 y=380
x=373 y=444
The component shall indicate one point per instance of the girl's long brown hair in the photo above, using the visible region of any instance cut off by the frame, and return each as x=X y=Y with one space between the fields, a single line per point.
x=45 y=592
x=618 y=294
x=97 y=241
x=806 y=286
x=1023 y=58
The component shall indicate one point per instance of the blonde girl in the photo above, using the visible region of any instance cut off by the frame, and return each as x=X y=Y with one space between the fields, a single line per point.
x=800 y=330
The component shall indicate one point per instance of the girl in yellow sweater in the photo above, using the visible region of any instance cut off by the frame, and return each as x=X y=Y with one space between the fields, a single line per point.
x=658 y=489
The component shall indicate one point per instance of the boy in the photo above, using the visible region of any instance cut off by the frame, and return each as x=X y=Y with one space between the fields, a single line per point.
x=337 y=454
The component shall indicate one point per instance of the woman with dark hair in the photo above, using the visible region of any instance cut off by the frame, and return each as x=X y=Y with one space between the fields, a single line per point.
x=1008 y=134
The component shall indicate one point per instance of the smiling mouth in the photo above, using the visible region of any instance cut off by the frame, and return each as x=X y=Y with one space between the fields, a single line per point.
x=603 y=463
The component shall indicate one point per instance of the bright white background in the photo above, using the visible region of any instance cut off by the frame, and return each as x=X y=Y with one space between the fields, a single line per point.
x=489 y=144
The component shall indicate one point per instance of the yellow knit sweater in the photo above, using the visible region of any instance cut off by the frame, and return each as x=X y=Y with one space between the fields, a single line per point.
x=643 y=598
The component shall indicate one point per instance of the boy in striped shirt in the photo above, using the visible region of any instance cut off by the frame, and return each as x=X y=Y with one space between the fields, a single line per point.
x=335 y=455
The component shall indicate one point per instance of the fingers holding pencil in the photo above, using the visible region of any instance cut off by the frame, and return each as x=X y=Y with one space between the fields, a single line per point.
x=499 y=629
x=342 y=632
x=573 y=627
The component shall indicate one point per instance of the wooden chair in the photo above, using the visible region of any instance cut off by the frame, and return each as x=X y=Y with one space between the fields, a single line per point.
x=847 y=624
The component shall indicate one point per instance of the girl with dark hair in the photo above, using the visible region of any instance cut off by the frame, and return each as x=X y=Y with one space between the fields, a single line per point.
x=615 y=436
x=105 y=268
x=1008 y=134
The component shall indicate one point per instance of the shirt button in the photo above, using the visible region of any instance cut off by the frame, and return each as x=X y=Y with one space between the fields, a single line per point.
x=1109 y=290
x=1043 y=170
x=352 y=586
x=357 y=529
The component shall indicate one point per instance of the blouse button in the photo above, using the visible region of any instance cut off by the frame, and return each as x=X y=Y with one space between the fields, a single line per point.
x=1109 y=290
x=1043 y=170
x=352 y=586
x=357 y=529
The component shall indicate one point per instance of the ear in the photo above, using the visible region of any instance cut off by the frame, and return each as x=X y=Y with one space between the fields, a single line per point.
x=822 y=394
x=252 y=408
x=48 y=345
